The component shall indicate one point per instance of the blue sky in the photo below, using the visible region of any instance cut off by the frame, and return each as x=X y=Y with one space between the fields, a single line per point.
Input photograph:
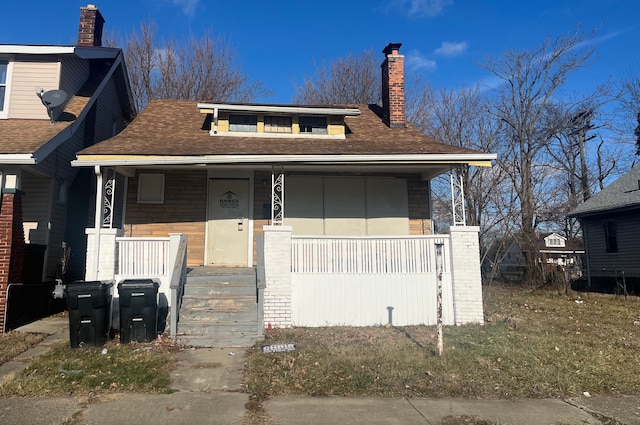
x=276 y=41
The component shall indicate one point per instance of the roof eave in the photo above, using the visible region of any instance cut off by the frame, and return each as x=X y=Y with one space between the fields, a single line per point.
x=17 y=159
x=287 y=109
x=426 y=159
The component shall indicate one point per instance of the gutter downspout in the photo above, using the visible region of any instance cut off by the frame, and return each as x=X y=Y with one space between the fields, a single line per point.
x=97 y=223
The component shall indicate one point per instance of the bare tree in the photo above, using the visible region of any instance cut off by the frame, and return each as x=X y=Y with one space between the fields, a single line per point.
x=347 y=80
x=631 y=104
x=197 y=69
x=529 y=80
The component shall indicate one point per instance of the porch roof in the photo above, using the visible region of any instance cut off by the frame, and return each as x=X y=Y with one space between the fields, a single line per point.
x=174 y=132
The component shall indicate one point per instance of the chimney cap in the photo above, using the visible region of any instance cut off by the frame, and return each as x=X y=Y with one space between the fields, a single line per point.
x=89 y=6
x=392 y=48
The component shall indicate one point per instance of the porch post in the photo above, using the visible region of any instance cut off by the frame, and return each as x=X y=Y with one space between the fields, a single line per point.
x=457 y=200
x=277 y=196
x=97 y=225
x=277 y=276
x=465 y=275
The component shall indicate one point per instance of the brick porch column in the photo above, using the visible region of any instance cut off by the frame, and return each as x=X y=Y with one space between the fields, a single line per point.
x=11 y=245
x=466 y=278
x=277 y=276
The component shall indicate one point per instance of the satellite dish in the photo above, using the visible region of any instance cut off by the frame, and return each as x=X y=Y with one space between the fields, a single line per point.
x=52 y=99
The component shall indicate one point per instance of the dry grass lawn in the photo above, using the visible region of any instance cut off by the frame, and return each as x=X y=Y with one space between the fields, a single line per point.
x=533 y=344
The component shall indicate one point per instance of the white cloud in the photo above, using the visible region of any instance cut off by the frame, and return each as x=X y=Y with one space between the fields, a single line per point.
x=448 y=48
x=416 y=60
x=188 y=6
x=419 y=7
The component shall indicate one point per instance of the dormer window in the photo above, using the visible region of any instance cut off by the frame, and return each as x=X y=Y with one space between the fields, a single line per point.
x=313 y=125
x=239 y=122
x=277 y=124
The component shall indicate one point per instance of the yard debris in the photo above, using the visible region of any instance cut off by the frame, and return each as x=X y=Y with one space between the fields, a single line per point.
x=586 y=394
x=278 y=348
x=579 y=301
x=231 y=353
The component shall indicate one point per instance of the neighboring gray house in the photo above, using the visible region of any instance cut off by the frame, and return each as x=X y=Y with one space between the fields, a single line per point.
x=611 y=227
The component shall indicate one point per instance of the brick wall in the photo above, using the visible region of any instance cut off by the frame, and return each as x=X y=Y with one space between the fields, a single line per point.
x=277 y=271
x=11 y=245
x=465 y=269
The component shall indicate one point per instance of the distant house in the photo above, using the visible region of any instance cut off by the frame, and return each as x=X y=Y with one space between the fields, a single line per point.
x=555 y=249
x=330 y=204
x=611 y=227
x=54 y=101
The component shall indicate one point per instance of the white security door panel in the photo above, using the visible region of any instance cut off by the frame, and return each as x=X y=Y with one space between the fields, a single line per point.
x=228 y=222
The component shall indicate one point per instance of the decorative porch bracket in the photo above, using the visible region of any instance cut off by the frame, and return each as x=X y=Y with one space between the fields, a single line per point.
x=457 y=199
x=109 y=197
x=277 y=196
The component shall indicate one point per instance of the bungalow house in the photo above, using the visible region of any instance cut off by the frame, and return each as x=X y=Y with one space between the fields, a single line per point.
x=326 y=209
x=610 y=223
x=54 y=101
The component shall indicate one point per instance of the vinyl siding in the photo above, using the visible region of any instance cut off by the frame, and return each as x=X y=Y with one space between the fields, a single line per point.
x=627 y=259
x=74 y=73
x=108 y=112
x=27 y=75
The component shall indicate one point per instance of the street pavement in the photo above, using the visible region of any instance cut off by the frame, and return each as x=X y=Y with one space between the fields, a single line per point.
x=209 y=389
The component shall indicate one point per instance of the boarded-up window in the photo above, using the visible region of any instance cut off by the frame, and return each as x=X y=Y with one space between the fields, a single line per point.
x=277 y=124
x=346 y=206
x=239 y=122
x=150 y=188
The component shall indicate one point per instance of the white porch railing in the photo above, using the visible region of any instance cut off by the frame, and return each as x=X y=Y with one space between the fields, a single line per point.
x=142 y=257
x=362 y=281
x=366 y=255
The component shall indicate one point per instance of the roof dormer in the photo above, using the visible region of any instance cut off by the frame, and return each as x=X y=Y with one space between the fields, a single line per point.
x=277 y=121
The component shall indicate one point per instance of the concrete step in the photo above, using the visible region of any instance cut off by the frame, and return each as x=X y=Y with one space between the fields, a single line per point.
x=206 y=341
x=220 y=303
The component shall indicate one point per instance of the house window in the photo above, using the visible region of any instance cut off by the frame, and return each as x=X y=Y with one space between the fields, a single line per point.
x=4 y=70
x=610 y=238
x=313 y=124
x=277 y=124
x=150 y=188
x=243 y=123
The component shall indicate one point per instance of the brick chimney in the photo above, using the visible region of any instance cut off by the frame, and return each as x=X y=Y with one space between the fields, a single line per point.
x=393 y=86
x=91 y=23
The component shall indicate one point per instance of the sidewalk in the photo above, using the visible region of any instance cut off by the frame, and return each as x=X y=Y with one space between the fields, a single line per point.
x=209 y=390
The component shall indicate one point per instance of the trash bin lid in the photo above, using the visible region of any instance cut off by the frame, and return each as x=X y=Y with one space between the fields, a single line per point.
x=91 y=285
x=138 y=284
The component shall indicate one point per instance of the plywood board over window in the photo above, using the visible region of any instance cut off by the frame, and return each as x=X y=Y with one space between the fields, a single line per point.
x=150 y=188
x=346 y=206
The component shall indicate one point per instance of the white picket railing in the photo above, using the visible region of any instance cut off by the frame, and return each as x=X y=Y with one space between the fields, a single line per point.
x=367 y=255
x=142 y=257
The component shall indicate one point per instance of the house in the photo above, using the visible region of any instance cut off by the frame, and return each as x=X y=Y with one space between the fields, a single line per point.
x=327 y=206
x=610 y=223
x=54 y=101
x=557 y=250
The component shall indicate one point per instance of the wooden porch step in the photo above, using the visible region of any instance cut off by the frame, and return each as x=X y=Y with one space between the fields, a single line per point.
x=219 y=308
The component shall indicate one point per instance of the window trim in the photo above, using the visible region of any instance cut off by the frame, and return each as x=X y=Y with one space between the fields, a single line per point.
x=610 y=237
x=146 y=179
x=4 y=113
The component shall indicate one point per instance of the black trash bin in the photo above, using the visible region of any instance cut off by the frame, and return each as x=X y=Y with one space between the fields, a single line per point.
x=89 y=304
x=138 y=310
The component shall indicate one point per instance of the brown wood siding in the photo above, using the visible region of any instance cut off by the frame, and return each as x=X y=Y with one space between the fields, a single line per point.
x=26 y=76
x=183 y=211
x=627 y=259
x=419 y=212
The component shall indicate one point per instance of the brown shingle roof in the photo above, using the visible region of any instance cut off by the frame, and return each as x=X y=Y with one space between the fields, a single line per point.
x=24 y=136
x=177 y=128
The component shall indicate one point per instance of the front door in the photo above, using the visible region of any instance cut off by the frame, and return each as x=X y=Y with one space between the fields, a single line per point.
x=228 y=222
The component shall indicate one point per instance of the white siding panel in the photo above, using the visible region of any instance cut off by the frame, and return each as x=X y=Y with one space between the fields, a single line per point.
x=364 y=299
x=27 y=75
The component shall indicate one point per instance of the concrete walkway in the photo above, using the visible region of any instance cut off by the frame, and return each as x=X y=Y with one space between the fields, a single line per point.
x=209 y=390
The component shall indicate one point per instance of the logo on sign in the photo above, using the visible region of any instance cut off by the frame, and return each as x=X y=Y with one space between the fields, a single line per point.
x=229 y=200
